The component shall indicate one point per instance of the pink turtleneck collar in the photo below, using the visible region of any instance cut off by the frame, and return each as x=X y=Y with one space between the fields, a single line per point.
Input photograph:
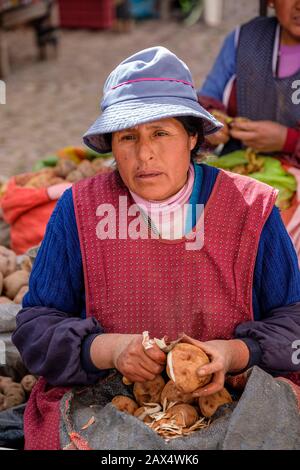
x=159 y=211
x=168 y=205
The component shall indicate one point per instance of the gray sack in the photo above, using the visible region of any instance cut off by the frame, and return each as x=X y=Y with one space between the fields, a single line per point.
x=265 y=417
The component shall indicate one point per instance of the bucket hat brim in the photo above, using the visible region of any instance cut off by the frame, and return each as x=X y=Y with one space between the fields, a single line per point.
x=128 y=114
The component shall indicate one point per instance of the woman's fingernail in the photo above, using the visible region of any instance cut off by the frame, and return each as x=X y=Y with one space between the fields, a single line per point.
x=201 y=372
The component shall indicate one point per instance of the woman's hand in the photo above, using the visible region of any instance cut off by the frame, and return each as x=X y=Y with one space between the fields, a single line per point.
x=263 y=136
x=136 y=363
x=220 y=137
x=127 y=354
x=225 y=356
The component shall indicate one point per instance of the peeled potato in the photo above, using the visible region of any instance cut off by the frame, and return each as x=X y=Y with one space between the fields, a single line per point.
x=149 y=391
x=182 y=364
x=125 y=404
x=13 y=283
x=209 y=405
x=172 y=394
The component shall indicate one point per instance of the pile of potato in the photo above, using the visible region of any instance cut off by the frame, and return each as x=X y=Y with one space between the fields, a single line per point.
x=170 y=409
x=13 y=393
x=65 y=170
x=14 y=278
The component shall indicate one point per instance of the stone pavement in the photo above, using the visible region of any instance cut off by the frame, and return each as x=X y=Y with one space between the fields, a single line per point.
x=51 y=104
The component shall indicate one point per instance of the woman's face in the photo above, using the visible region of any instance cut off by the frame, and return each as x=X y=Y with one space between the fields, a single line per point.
x=288 y=14
x=153 y=159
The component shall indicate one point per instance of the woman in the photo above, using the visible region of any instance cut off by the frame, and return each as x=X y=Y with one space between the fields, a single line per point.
x=95 y=286
x=255 y=76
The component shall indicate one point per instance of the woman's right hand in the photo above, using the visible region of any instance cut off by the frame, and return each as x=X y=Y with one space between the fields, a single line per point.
x=136 y=363
x=223 y=135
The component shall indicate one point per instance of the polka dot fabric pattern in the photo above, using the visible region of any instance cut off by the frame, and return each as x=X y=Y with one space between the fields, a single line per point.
x=159 y=285
x=260 y=94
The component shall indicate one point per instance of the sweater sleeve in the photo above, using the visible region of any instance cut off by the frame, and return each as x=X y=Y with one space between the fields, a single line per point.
x=276 y=301
x=52 y=330
x=222 y=71
x=291 y=148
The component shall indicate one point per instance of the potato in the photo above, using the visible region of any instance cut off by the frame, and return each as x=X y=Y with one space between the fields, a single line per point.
x=142 y=415
x=183 y=415
x=1 y=282
x=5 y=300
x=86 y=168
x=4 y=381
x=183 y=363
x=19 y=297
x=13 y=283
x=209 y=405
x=26 y=264
x=125 y=404
x=8 y=261
x=64 y=167
x=28 y=382
x=172 y=394
x=56 y=180
x=97 y=164
x=22 y=179
x=2 y=402
x=126 y=381
x=41 y=179
x=13 y=393
x=74 y=176
x=148 y=391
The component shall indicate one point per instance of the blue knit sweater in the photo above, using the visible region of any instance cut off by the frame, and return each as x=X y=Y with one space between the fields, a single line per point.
x=54 y=335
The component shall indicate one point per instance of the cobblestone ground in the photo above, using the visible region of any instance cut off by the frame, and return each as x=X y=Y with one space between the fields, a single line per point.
x=51 y=104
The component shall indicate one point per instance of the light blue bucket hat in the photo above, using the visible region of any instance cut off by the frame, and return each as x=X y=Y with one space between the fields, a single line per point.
x=150 y=85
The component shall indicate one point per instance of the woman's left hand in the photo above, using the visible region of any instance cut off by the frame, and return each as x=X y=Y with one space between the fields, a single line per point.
x=225 y=356
x=262 y=136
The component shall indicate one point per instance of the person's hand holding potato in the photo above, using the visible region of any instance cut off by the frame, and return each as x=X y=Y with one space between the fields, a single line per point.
x=262 y=136
x=126 y=353
x=223 y=135
x=225 y=356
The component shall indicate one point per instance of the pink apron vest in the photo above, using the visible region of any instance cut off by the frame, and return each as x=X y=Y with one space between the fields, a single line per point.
x=160 y=285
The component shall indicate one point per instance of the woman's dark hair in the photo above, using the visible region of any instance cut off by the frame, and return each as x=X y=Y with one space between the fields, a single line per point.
x=192 y=126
